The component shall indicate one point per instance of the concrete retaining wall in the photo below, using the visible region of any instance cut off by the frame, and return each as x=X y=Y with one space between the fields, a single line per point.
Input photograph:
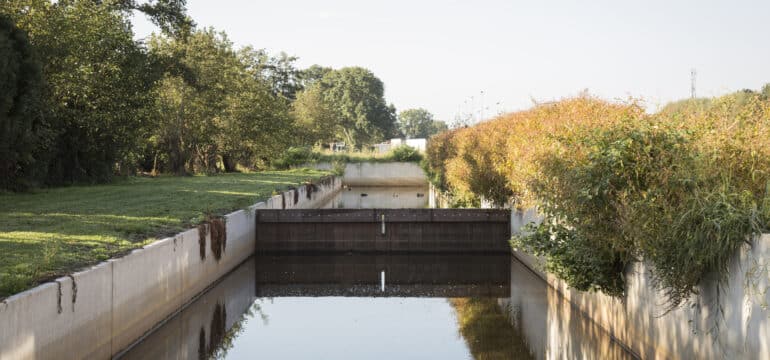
x=549 y=325
x=379 y=173
x=641 y=323
x=384 y=174
x=101 y=311
x=381 y=197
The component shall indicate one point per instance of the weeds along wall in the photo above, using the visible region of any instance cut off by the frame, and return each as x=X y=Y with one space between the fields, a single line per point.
x=682 y=189
x=99 y=312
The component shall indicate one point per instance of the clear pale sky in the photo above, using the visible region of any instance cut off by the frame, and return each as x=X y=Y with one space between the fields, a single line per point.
x=437 y=54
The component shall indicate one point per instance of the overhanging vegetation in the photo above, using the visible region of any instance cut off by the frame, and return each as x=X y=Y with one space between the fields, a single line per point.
x=682 y=189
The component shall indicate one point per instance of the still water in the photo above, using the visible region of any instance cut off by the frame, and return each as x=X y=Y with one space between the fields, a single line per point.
x=360 y=306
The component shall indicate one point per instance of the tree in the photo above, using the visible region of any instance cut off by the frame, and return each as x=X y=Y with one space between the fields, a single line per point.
x=283 y=76
x=97 y=83
x=358 y=98
x=256 y=125
x=314 y=74
x=189 y=110
x=416 y=123
x=169 y=15
x=279 y=72
x=224 y=112
x=438 y=127
x=24 y=131
x=316 y=120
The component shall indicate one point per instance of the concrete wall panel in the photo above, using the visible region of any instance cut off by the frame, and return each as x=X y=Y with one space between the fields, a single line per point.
x=22 y=317
x=87 y=309
x=240 y=238
x=384 y=174
x=146 y=289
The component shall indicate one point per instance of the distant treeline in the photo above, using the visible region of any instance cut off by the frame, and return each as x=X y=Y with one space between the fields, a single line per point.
x=82 y=101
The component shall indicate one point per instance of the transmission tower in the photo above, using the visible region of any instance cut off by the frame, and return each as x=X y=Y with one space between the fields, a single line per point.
x=692 y=83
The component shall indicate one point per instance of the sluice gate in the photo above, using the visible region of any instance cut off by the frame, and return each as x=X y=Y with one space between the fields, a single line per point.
x=383 y=230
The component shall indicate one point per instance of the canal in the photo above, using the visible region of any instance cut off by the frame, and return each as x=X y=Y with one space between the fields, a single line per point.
x=365 y=306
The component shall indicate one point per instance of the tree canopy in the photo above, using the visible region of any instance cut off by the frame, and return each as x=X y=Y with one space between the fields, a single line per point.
x=228 y=113
x=81 y=101
x=23 y=130
x=353 y=99
x=314 y=74
x=419 y=123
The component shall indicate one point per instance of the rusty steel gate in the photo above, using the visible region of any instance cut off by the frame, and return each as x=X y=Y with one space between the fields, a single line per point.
x=383 y=230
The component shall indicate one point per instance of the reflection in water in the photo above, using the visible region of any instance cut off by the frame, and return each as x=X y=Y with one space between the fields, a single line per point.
x=333 y=307
x=217 y=335
x=550 y=325
x=207 y=327
x=379 y=306
x=488 y=331
x=367 y=275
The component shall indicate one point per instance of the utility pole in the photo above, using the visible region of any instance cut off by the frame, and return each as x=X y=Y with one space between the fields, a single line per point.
x=693 y=73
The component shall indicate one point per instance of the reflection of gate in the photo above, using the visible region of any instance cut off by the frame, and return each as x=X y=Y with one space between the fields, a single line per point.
x=383 y=230
x=424 y=275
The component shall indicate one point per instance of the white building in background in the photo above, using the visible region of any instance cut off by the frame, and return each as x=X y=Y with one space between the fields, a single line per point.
x=419 y=144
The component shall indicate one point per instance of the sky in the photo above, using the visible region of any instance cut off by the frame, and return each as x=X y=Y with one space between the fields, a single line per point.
x=486 y=56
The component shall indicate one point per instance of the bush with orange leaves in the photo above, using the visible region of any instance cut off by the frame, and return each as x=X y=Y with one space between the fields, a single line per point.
x=498 y=159
x=682 y=189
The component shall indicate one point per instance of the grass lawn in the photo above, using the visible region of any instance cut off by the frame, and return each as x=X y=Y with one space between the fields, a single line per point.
x=56 y=231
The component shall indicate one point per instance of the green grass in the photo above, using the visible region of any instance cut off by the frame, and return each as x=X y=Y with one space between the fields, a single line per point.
x=56 y=231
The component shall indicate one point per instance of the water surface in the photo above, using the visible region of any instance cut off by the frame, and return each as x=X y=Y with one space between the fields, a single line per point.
x=379 y=307
x=366 y=306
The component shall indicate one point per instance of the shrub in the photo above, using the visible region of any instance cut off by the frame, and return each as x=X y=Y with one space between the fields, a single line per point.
x=682 y=189
x=439 y=150
x=404 y=153
x=295 y=156
x=635 y=192
x=498 y=159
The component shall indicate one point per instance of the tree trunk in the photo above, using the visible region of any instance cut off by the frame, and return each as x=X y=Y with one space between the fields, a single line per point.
x=229 y=163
